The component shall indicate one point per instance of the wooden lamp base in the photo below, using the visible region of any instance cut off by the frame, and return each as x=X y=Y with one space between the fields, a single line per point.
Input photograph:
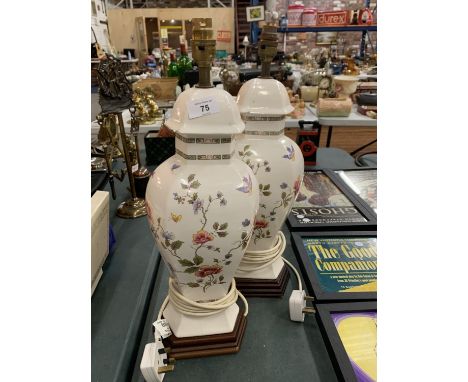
x=204 y=346
x=264 y=287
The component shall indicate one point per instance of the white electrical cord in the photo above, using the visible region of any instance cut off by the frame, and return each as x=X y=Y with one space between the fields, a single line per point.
x=197 y=309
x=295 y=271
x=258 y=260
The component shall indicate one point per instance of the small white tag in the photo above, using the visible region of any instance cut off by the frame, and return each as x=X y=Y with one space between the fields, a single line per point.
x=162 y=327
x=199 y=108
x=134 y=168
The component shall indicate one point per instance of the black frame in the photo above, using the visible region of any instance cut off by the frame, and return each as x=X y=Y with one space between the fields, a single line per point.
x=310 y=277
x=358 y=203
x=335 y=347
x=337 y=179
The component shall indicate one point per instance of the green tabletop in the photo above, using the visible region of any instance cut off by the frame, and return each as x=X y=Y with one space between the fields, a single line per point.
x=274 y=348
x=134 y=284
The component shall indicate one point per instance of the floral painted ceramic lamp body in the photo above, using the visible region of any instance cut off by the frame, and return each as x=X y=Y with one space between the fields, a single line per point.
x=201 y=207
x=276 y=161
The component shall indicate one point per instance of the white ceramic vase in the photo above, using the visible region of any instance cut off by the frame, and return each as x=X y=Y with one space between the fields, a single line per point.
x=345 y=85
x=201 y=206
x=275 y=159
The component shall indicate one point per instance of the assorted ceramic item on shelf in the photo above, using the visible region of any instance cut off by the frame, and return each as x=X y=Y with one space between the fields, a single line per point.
x=345 y=85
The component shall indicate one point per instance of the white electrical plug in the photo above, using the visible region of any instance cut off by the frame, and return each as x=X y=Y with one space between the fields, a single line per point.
x=155 y=363
x=297 y=305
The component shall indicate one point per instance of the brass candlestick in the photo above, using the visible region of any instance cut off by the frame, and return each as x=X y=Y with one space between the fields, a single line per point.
x=133 y=207
x=141 y=175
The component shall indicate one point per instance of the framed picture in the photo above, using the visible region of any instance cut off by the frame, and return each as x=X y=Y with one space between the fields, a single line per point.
x=323 y=204
x=350 y=334
x=338 y=266
x=256 y=13
x=326 y=38
x=361 y=182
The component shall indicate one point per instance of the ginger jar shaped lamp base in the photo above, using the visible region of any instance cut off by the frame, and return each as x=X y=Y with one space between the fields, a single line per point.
x=202 y=204
x=277 y=163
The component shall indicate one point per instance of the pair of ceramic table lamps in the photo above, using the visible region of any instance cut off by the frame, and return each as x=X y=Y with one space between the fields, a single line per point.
x=217 y=206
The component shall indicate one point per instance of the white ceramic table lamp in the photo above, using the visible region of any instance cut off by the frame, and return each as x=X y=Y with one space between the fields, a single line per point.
x=276 y=161
x=202 y=204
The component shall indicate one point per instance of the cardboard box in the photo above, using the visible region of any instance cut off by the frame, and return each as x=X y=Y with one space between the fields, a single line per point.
x=99 y=235
x=337 y=18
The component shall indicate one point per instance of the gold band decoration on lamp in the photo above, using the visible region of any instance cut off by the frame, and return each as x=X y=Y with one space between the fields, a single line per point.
x=201 y=206
x=115 y=94
x=278 y=165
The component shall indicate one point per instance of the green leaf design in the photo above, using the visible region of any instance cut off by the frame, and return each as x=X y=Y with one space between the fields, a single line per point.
x=283 y=195
x=210 y=199
x=186 y=263
x=246 y=147
x=167 y=243
x=193 y=285
x=198 y=260
x=240 y=153
x=221 y=278
x=184 y=186
x=223 y=226
x=266 y=193
x=216 y=225
x=159 y=220
x=244 y=235
x=175 y=245
x=191 y=270
x=222 y=234
x=191 y=177
x=260 y=186
x=195 y=184
x=228 y=262
x=228 y=256
x=216 y=260
x=267 y=187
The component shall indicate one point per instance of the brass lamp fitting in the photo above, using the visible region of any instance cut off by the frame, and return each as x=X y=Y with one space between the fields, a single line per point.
x=268 y=48
x=203 y=50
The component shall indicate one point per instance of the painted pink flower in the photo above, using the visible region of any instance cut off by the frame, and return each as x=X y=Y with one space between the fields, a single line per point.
x=207 y=270
x=201 y=237
x=297 y=185
x=261 y=223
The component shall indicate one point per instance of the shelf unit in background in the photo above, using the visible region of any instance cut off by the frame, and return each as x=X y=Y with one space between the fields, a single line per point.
x=345 y=28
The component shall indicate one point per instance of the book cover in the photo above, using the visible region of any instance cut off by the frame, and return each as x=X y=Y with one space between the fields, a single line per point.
x=320 y=201
x=358 y=333
x=343 y=265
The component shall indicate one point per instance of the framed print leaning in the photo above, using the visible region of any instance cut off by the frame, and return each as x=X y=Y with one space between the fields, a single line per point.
x=323 y=204
x=350 y=334
x=363 y=182
x=338 y=266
